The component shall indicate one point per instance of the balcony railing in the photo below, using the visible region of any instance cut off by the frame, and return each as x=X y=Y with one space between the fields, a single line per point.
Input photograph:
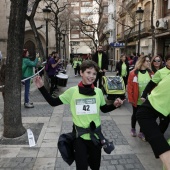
x=145 y=29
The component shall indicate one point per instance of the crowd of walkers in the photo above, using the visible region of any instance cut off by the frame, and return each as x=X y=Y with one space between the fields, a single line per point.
x=146 y=79
x=147 y=90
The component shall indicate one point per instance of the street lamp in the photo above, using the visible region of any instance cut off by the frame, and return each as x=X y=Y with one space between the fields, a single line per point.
x=139 y=16
x=107 y=37
x=46 y=12
x=64 y=46
x=96 y=44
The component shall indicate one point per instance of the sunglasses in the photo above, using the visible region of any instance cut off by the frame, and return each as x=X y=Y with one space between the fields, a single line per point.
x=158 y=61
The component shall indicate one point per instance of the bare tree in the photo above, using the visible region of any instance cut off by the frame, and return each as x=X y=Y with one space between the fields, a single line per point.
x=30 y=18
x=128 y=25
x=56 y=7
x=12 y=103
x=87 y=25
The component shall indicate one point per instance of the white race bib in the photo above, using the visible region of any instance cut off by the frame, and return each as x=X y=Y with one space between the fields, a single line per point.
x=86 y=106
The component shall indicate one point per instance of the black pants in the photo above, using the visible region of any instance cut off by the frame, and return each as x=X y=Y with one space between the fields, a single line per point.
x=164 y=123
x=76 y=71
x=86 y=153
x=99 y=77
x=125 y=80
x=53 y=84
x=133 y=118
x=146 y=116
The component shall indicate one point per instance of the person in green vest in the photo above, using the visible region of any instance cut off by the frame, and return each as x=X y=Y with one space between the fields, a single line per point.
x=102 y=61
x=85 y=102
x=137 y=81
x=75 y=63
x=156 y=105
x=122 y=68
x=79 y=62
x=158 y=76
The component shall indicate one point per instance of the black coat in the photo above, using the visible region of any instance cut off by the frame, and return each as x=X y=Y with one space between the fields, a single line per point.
x=105 y=61
x=119 y=68
x=65 y=146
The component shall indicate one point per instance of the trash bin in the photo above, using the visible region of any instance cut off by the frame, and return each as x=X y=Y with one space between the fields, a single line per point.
x=62 y=79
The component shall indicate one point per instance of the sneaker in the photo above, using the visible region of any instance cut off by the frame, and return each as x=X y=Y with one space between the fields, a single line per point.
x=28 y=105
x=142 y=136
x=133 y=132
x=54 y=95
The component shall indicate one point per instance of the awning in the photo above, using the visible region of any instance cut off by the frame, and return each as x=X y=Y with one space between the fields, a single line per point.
x=162 y=34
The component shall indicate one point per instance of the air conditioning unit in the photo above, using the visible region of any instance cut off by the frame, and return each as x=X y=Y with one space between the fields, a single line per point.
x=162 y=23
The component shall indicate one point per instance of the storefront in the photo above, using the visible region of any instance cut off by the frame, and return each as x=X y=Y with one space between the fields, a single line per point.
x=163 y=44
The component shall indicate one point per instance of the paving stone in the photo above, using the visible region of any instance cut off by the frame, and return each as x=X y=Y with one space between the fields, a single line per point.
x=41 y=110
x=23 y=140
x=109 y=162
x=17 y=163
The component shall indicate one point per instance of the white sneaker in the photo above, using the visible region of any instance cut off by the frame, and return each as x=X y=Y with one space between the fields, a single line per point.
x=28 y=105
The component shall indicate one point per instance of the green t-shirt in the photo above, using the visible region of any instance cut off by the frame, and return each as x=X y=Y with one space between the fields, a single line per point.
x=84 y=108
x=143 y=80
x=100 y=60
x=75 y=63
x=160 y=96
x=160 y=74
x=123 y=71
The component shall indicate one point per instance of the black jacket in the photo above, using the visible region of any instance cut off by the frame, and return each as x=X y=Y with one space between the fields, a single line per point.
x=105 y=61
x=119 y=68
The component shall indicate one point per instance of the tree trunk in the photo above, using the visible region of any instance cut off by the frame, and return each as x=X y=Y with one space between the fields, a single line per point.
x=12 y=103
x=37 y=38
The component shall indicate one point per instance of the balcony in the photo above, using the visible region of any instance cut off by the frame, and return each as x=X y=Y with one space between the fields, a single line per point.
x=133 y=32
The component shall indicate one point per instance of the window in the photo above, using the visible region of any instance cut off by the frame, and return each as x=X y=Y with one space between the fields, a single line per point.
x=75 y=43
x=86 y=10
x=166 y=7
x=87 y=4
x=76 y=12
x=76 y=28
x=74 y=35
x=75 y=4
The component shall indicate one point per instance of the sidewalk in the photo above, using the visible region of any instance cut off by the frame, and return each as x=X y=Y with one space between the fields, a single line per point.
x=47 y=123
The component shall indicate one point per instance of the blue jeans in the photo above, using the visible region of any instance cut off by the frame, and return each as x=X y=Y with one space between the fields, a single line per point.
x=27 y=90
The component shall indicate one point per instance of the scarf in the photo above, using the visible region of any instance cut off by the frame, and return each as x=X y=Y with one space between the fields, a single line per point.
x=86 y=89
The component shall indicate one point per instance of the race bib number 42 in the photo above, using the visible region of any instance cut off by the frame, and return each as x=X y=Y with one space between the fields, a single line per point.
x=86 y=106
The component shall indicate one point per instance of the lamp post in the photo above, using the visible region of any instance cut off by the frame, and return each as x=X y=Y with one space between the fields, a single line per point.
x=139 y=16
x=107 y=37
x=96 y=44
x=64 y=47
x=46 y=12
